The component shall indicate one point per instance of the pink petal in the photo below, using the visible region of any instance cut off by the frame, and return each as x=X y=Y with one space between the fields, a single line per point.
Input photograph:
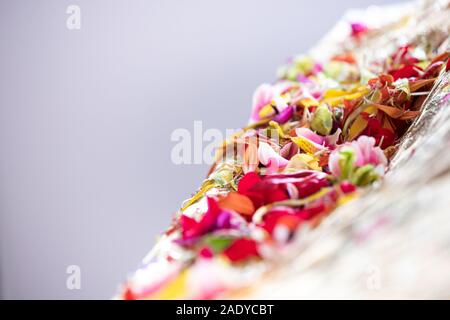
x=310 y=135
x=333 y=164
x=262 y=96
x=270 y=158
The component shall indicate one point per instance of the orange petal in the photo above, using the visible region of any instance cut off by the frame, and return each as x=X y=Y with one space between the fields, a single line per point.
x=397 y=113
x=409 y=115
x=237 y=202
x=416 y=85
x=387 y=124
x=442 y=57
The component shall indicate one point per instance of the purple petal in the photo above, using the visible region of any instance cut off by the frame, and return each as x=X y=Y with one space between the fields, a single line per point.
x=223 y=220
x=285 y=115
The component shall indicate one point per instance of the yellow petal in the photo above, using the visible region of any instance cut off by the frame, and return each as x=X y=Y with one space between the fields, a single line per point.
x=277 y=127
x=360 y=124
x=309 y=102
x=357 y=127
x=175 y=289
x=334 y=97
x=266 y=111
x=305 y=145
x=347 y=198
x=302 y=161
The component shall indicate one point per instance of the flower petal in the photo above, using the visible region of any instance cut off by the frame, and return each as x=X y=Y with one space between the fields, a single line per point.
x=237 y=202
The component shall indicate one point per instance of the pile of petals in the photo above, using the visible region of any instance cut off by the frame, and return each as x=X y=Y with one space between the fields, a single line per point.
x=319 y=136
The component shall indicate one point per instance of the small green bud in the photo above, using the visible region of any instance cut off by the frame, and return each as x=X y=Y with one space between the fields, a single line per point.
x=322 y=121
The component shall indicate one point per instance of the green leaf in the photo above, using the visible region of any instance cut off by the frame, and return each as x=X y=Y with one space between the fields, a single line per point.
x=365 y=175
x=217 y=243
x=346 y=161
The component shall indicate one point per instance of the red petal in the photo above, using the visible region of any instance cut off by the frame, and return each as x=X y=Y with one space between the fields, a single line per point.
x=256 y=197
x=206 y=253
x=316 y=209
x=432 y=70
x=190 y=227
x=408 y=71
x=128 y=294
x=248 y=181
x=310 y=186
x=241 y=249
x=347 y=187
x=209 y=219
x=273 y=218
x=275 y=196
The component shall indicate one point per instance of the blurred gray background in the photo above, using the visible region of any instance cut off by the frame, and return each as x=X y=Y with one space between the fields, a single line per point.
x=86 y=116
